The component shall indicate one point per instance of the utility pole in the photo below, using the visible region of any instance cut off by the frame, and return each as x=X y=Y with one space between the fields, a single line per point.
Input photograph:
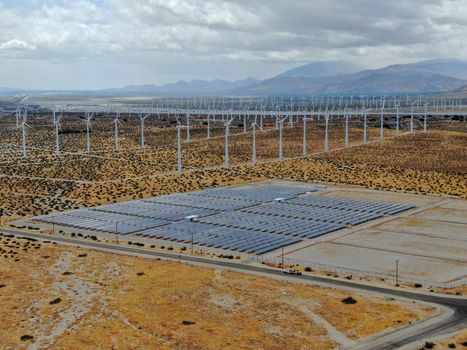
x=282 y=257
x=397 y=273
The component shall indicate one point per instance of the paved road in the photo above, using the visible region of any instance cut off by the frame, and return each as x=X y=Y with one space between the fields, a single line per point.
x=454 y=319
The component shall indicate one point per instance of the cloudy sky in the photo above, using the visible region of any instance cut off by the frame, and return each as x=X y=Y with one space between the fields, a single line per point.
x=90 y=44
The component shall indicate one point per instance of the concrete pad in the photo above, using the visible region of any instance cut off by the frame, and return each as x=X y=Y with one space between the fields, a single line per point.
x=384 y=196
x=448 y=230
x=457 y=204
x=408 y=243
x=377 y=261
x=443 y=214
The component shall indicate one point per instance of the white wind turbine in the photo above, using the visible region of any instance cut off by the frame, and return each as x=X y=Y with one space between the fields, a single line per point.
x=227 y=139
x=117 y=123
x=281 y=129
x=57 y=126
x=87 y=120
x=142 y=118
x=24 y=125
x=381 y=132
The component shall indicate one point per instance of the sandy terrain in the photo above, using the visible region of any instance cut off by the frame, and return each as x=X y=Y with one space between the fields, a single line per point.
x=131 y=302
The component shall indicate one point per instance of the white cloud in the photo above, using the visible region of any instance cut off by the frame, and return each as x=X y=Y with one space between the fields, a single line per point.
x=207 y=38
x=15 y=44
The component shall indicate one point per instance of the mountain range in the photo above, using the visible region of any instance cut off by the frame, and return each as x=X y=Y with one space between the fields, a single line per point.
x=317 y=78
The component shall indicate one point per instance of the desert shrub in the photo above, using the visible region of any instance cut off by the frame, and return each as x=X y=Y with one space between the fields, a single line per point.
x=349 y=300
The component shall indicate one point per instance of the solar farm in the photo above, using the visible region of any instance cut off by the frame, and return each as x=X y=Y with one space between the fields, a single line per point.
x=249 y=219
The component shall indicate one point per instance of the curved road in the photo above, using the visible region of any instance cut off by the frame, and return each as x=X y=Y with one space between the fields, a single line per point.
x=449 y=321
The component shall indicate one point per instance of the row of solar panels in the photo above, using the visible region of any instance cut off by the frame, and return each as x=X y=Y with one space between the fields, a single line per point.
x=271 y=224
x=256 y=193
x=91 y=219
x=149 y=209
x=349 y=204
x=201 y=202
x=313 y=213
x=220 y=237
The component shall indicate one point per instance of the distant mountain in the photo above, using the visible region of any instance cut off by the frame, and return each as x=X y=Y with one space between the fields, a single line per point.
x=194 y=87
x=320 y=69
x=421 y=77
x=449 y=67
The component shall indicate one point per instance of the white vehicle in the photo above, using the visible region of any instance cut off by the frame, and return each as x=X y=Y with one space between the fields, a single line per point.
x=292 y=272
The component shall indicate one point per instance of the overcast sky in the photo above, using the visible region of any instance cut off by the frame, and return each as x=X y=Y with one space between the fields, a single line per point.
x=89 y=44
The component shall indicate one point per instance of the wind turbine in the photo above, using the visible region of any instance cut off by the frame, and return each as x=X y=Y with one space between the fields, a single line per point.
x=18 y=115
x=305 y=135
x=326 y=139
x=188 y=116
x=56 y=122
x=397 y=119
x=425 y=118
x=227 y=139
x=381 y=132
x=253 y=126
x=281 y=129
x=142 y=118
x=346 y=116
x=364 y=112
x=179 y=147
x=117 y=123
x=87 y=120
x=24 y=125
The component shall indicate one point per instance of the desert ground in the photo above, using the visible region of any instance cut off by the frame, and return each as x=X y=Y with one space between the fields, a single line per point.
x=132 y=302
x=128 y=302
x=432 y=162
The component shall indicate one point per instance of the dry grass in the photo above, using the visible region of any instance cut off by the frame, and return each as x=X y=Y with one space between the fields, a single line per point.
x=114 y=307
x=432 y=162
x=459 y=340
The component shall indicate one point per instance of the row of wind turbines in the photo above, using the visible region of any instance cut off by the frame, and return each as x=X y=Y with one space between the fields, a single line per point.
x=293 y=118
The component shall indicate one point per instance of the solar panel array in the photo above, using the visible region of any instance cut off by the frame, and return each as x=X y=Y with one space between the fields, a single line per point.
x=273 y=224
x=350 y=204
x=256 y=193
x=317 y=214
x=91 y=219
x=241 y=218
x=155 y=210
x=220 y=237
x=201 y=202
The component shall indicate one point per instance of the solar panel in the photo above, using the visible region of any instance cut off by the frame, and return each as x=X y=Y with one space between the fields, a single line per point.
x=219 y=237
x=272 y=224
x=382 y=208
x=243 y=219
